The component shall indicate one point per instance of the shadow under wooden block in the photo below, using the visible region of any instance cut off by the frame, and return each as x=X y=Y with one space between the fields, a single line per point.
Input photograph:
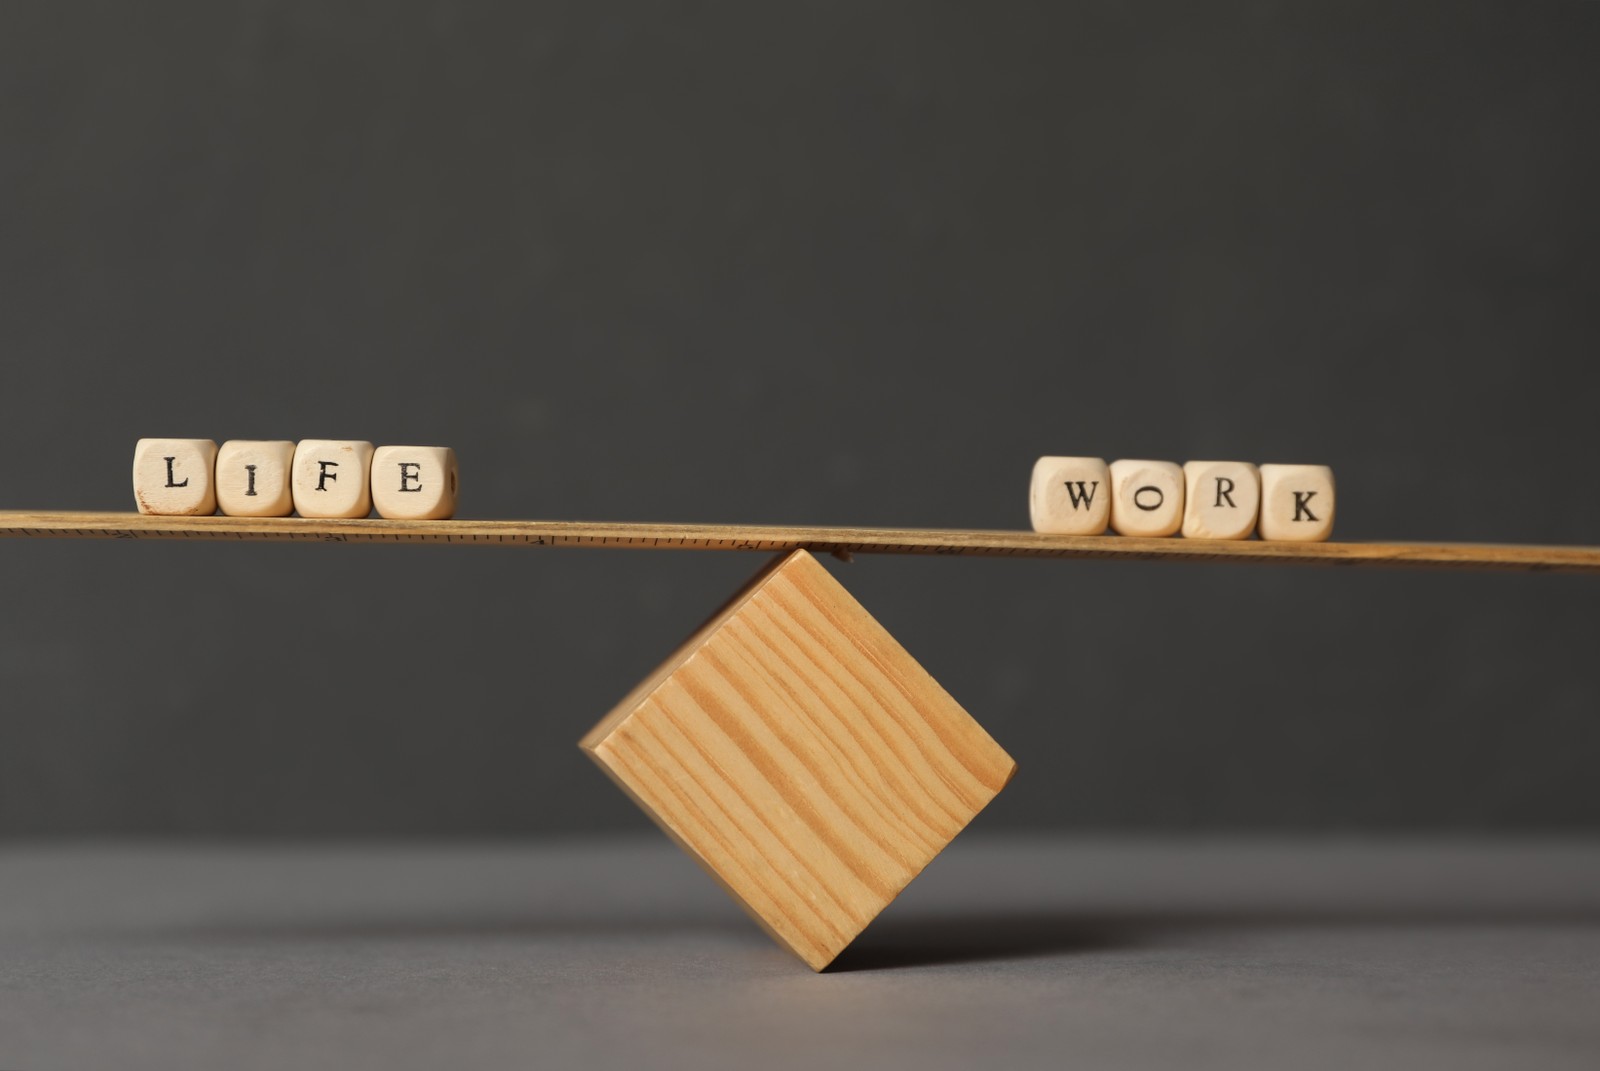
x=802 y=757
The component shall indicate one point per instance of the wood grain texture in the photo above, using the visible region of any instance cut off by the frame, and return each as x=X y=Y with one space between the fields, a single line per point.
x=60 y=524
x=802 y=757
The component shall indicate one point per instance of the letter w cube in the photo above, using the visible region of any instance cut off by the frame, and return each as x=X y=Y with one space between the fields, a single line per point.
x=1070 y=496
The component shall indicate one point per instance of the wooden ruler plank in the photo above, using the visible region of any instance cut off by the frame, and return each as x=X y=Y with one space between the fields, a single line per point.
x=778 y=539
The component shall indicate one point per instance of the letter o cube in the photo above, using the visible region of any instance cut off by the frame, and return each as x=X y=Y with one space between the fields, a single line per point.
x=175 y=477
x=1296 y=502
x=1146 y=497
x=1070 y=496
x=331 y=478
x=415 y=483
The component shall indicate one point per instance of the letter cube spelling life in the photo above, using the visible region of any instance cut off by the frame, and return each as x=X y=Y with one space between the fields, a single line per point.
x=415 y=483
x=253 y=478
x=175 y=477
x=797 y=752
x=332 y=478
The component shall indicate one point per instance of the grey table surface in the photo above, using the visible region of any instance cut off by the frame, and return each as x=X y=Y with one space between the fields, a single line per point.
x=1006 y=953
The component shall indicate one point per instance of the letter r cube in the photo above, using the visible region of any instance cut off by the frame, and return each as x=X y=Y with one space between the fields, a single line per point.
x=1221 y=499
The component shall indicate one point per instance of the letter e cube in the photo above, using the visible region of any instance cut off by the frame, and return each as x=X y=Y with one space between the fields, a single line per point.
x=415 y=483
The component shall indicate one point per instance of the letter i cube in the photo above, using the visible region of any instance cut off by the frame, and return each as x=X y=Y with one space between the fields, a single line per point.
x=331 y=478
x=415 y=483
x=1070 y=496
x=175 y=477
x=253 y=478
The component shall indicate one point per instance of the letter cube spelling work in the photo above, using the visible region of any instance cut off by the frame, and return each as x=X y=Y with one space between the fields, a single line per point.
x=175 y=477
x=331 y=478
x=1070 y=496
x=1297 y=502
x=415 y=483
x=797 y=752
x=253 y=478
x=1146 y=497
x=1220 y=499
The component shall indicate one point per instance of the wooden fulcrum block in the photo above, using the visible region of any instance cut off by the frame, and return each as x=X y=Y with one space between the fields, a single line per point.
x=1221 y=499
x=415 y=483
x=802 y=757
x=331 y=478
x=1146 y=497
x=1070 y=496
x=253 y=478
x=1297 y=502
x=175 y=477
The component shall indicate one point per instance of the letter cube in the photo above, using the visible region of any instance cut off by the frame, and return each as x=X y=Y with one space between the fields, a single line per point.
x=331 y=478
x=415 y=483
x=175 y=477
x=1297 y=502
x=253 y=478
x=1146 y=497
x=1070 y=496
x=1221 y=499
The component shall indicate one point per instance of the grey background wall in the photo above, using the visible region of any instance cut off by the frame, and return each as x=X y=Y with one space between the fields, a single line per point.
x=816 y=263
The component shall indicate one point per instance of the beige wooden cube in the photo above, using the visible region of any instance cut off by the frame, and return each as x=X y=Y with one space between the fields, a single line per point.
x=1146 y=497
x=415 y=483
x=1297 y=502
x=1221 y=499
x=175 y=477
x=332 y=478
x=1070 y=496
x=253 y=478
x=800 y=754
